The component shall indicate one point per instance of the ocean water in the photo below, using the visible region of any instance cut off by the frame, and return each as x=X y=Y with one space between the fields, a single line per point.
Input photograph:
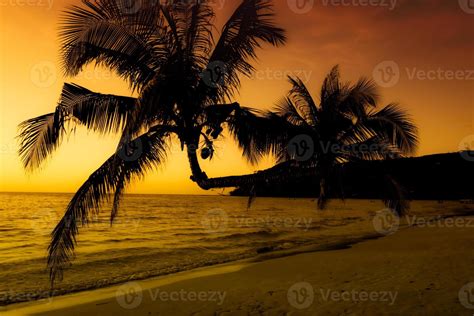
x=162 y=234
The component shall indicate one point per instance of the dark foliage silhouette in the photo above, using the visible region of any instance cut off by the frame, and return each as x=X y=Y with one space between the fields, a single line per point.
x=345 y=126
x=184 y=81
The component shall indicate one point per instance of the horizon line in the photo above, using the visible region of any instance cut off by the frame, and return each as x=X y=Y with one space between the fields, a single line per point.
x=42 y=192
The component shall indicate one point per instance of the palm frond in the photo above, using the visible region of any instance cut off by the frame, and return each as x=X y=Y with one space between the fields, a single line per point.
x=105 y=33
x=251 y=25
x=158 y=135
x=252 y=197
x=39 y=137
x=86 y=202
x=119 y=190
x=373 y=148
x=259 y=135
x=359 y=98
x=395 y=125
x=330 y=90
x=104 y=113
x=198 y=26
x=176 y=35
x=303 y=101
x=287 y=109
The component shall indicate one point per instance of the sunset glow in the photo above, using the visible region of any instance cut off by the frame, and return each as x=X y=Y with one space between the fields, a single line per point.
x=435 y=67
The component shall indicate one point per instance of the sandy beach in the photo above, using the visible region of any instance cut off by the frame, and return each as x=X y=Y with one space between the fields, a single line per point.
x=421 y=270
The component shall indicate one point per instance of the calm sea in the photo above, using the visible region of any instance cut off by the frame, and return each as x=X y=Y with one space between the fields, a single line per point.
x=158 y=234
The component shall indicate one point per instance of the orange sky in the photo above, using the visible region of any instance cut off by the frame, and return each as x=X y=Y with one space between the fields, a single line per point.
x=435 y=37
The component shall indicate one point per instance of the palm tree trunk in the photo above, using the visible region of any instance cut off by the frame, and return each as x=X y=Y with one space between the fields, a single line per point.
x=281 y=172
x=192 y=149
x=197 y=173
x=322 y=193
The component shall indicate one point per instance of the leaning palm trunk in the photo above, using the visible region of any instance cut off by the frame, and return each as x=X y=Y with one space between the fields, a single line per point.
x=280 y=173
x=394 y=196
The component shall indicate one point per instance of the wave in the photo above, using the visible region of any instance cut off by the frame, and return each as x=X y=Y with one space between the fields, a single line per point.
x=8 y=230
x=20 y=247
x=190 y=234
x=260 y=233
x=117 y=240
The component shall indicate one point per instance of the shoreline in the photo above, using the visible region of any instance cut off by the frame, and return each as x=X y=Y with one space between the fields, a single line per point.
x=343 y=243
x=275 y=272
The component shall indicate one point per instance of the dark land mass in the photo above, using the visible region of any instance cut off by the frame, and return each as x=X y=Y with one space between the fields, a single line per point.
x=435 y=177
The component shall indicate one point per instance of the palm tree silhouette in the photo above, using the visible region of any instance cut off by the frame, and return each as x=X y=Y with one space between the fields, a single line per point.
x=344 y=127
x=184 y=81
